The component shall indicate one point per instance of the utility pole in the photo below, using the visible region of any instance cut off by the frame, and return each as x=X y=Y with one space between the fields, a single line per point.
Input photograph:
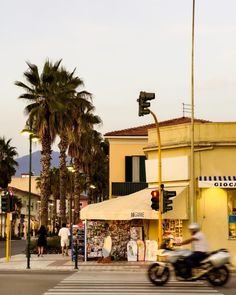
x=192 y=200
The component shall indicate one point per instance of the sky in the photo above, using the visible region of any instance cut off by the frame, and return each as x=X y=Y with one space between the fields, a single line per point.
x=120 y=48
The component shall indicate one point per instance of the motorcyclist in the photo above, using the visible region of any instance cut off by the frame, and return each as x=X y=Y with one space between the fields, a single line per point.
x=199 y=247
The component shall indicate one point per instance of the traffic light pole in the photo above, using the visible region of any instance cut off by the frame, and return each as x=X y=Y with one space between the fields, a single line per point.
x=159 y=180
x=8 y=237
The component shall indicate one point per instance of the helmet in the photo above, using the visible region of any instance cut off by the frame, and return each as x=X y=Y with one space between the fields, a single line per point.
x=194 y=226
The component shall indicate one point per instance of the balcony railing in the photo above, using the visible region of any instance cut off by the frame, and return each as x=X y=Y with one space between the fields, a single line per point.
x=126 y=188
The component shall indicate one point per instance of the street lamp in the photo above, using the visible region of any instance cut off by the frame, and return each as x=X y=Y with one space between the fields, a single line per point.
x=71 y=170
x=32 y=138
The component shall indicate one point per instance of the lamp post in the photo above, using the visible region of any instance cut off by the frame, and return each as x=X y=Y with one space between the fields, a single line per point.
x=32 y=138
x=71 y=170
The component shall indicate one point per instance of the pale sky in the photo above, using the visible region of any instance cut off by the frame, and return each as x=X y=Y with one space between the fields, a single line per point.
x=119 y=48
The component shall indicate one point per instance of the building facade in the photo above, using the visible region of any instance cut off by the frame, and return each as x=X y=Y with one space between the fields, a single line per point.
x=215 y=180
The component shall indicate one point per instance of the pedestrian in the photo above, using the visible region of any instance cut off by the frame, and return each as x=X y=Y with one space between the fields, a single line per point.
x=42 y=240
x=64 y=234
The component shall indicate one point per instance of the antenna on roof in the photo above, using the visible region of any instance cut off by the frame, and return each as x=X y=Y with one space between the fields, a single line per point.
x=187 y=108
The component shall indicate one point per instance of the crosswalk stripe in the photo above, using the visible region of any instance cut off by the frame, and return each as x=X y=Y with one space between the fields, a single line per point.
x=126 y=289
x=95 y=292
x=91 y=285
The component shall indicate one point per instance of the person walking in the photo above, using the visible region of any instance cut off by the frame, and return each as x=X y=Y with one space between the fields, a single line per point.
x=64 y=234
x=42 y=240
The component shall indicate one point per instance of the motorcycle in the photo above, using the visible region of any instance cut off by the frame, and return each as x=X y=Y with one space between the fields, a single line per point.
x=213 y=268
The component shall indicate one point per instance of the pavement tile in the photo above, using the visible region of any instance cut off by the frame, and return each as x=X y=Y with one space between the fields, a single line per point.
x=57 y=262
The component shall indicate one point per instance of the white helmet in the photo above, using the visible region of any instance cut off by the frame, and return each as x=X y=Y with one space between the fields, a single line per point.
x=194 y=226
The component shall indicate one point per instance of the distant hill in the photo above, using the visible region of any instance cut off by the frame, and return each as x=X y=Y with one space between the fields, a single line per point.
x=23 y=163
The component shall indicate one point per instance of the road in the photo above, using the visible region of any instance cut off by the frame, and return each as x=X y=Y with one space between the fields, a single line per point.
x=101 y=282
x=17 y=247
x=29 y=283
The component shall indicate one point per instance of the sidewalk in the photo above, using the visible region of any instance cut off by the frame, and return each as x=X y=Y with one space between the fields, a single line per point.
x=57 y=262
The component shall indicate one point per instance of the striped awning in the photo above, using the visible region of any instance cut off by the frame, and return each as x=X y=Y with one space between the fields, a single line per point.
x=217 y=181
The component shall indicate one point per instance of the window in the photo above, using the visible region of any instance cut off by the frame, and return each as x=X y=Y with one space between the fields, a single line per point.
x=232 y=213
x=135 y=169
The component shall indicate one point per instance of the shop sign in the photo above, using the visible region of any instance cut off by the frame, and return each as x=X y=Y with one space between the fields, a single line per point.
x=217 y=182
x=137 y=214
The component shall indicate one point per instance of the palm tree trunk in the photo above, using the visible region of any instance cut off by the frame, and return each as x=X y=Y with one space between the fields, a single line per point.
x=77 y=191
x=63 y=144
x=54 y=214
x=45 y=177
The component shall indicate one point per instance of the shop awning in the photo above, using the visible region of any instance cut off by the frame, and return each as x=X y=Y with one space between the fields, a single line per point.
x=136 y=206
x=217 y=181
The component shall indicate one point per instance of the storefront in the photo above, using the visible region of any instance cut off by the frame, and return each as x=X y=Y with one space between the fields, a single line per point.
x=217 y=210
x=128 y=215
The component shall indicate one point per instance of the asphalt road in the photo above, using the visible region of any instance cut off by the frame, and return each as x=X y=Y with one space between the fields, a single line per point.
x=100 y=282
x=17 y=247
x=29 y=283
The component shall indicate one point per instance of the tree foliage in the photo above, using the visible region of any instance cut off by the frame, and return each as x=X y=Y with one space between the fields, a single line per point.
x=8 y=163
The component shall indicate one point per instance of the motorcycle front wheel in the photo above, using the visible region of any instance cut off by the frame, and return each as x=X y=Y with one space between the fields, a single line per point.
x=158 y=274
x=218 y=276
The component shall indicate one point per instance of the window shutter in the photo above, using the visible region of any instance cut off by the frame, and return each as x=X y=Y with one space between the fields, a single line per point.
x=128 y=169
x=135 y=169
x=142 y=170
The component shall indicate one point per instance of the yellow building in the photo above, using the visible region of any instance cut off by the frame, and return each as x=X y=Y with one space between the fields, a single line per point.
x=20 y=188
x=127 y=160
x=215 y=155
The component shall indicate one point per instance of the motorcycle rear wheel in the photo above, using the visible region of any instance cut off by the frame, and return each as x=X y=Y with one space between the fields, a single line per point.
x=158 y=274
x=218 y=276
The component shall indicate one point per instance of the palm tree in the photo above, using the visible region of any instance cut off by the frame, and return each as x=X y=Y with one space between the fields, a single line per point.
x=65 y=121
x=7 y=163
x=44 y=96
x=97 y=167
x=54 y=175
x=80 y=147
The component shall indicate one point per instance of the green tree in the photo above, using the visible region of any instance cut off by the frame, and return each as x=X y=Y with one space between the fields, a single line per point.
x=7 y=162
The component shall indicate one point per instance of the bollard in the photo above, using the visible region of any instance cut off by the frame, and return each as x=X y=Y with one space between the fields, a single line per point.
x=76 y=254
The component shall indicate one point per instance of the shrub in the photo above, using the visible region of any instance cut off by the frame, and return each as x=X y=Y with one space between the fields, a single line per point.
x=53 y=245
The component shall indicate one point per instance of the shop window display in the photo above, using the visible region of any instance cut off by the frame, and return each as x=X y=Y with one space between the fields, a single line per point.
x=173 y=231
x=232 y=213
x=120 y=232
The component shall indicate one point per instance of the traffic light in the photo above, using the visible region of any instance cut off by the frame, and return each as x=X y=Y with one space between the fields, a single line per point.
x=4 y=201
x=155 y=200
x=12 y=204
x=144 y=103
x=167 y=200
